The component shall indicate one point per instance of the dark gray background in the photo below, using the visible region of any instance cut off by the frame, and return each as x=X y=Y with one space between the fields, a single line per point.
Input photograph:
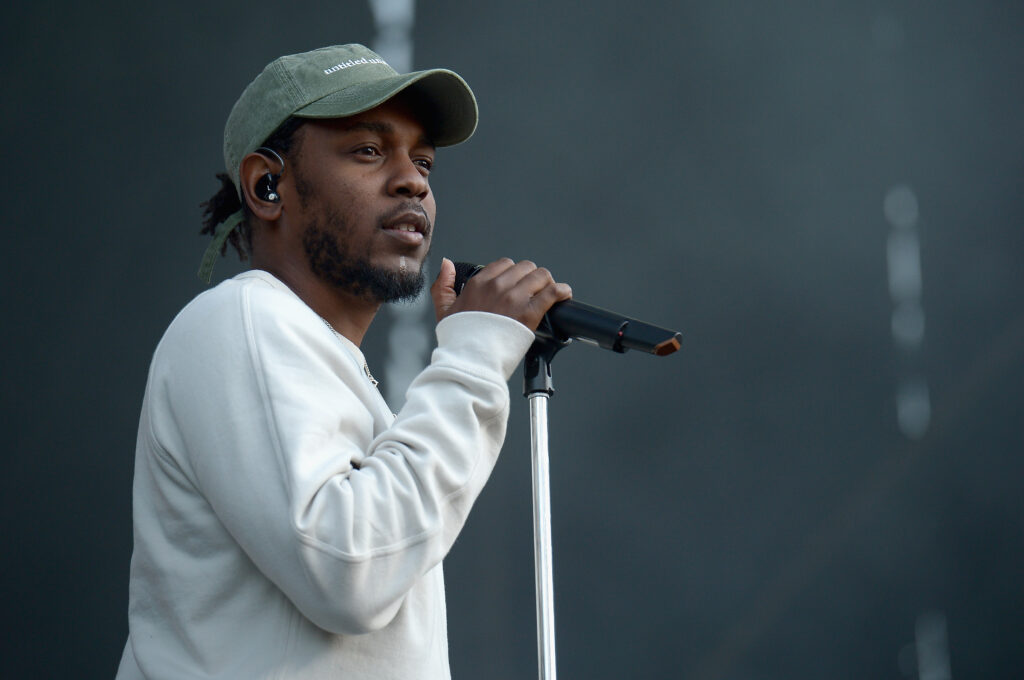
x=746 y=508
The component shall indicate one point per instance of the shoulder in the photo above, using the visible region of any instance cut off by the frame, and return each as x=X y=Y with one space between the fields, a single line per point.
x=253 y=290
x=229 y=311
x=229 y=325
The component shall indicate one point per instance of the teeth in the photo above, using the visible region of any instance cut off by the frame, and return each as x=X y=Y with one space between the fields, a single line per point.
x=405 y=227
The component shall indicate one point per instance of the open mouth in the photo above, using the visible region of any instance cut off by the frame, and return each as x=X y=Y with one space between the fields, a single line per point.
x=409 y=227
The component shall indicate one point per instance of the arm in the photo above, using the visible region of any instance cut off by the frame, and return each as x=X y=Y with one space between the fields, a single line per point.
x=274 y=425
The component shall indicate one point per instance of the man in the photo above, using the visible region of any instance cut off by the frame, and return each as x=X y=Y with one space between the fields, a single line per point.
x=287 y=525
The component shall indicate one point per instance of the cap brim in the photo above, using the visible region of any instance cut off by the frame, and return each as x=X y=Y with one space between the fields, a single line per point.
x=452 y=112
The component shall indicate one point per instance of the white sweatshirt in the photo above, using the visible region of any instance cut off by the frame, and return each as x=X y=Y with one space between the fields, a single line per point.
x=287 y=525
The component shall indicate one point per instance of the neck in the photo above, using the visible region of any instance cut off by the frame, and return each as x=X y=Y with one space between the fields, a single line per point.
x=349 y=314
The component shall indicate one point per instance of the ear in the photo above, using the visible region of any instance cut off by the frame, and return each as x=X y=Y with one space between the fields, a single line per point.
x=253 y=169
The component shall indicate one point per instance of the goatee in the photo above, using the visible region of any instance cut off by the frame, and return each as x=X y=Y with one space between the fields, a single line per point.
x=333 y=262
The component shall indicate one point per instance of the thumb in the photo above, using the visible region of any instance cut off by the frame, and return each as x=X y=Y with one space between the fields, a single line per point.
x=443 y=290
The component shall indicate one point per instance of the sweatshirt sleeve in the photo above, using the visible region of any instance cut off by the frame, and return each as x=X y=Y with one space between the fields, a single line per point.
x=280 y=431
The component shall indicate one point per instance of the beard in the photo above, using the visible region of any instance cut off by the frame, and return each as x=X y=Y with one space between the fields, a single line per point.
x=331 y=259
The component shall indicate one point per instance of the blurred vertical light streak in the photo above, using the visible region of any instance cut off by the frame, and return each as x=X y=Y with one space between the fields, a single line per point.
x=931 y=641
x=408 y=337
x=903 y=252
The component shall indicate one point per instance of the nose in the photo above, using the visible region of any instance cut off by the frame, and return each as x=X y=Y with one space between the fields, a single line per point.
x=408 y=180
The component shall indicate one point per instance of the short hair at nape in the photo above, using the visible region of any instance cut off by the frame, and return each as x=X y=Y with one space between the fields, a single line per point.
x=226 y=201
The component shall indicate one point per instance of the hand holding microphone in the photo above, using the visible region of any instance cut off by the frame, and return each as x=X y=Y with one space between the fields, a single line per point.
x=519 y=290
x=561 y=319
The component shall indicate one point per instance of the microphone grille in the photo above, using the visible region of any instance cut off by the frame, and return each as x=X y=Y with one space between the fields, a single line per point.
x=464 y=270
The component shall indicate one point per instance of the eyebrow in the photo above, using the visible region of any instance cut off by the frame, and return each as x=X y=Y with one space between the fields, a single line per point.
x=382 y=128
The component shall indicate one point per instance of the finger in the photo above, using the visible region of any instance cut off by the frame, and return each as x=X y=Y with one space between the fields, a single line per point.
x=536 y=280
x=491 y=271
x=513 y=276
x=551 y=294
x=559 y=292
x=443 y=290
x=447 y=274
x=541 y=283
x=548 y=296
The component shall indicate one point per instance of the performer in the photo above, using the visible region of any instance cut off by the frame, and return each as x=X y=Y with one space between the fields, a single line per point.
x=287 y=524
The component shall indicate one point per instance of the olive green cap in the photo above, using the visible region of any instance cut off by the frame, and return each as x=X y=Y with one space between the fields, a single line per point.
x=335 y=82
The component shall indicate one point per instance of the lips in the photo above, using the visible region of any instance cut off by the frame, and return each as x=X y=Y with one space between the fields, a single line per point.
x=409 y=227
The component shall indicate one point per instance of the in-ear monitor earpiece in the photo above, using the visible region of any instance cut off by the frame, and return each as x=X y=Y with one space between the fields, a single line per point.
x=267 y=186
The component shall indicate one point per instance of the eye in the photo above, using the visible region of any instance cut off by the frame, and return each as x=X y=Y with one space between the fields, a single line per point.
x=425 y=163
x=369 y=151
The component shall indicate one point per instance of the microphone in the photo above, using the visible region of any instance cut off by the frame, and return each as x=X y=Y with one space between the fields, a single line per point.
x=572 y=320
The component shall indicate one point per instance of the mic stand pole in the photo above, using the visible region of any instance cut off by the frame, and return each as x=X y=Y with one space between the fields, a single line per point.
x=538 y=389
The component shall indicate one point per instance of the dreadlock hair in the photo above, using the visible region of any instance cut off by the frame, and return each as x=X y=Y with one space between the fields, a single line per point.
x=226 y=201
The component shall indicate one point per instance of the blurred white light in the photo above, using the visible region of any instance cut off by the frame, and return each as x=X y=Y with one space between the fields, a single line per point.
x=904 y=254
x=932 y=643
x=908 y=324
x=388 y=13
x=393 y=42
x=408 y=347
x=900 y=207
x=913 y=408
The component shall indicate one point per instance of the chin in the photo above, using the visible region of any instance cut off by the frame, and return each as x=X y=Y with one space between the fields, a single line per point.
x=403 y=286
x=334 y=264
x=380 y=284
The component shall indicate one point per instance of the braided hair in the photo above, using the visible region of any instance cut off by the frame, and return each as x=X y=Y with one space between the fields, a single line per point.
x=226 y=201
